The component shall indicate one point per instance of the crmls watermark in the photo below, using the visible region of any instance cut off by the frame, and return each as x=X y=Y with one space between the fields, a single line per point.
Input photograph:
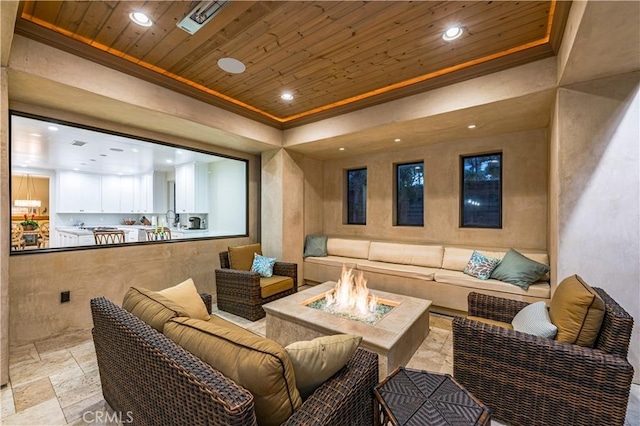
x=103 y=417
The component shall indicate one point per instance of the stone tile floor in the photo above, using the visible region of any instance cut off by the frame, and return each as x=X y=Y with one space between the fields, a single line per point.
x=56 y=381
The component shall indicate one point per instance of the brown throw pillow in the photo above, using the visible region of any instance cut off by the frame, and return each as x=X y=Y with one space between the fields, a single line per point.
x=186 y=295
x=241 y=257
x=151 y=307
x=577 y=310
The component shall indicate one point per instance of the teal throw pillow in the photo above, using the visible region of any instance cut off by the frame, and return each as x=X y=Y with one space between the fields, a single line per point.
x=519 y=270
x=480 y=266
x=315 y=246
x=534 y=319
x=263 y=265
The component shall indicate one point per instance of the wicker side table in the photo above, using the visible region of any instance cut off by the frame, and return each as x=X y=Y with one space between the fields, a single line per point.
x=414 y=397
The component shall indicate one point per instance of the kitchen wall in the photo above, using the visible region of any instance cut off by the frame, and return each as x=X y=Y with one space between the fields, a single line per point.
x=525 y=169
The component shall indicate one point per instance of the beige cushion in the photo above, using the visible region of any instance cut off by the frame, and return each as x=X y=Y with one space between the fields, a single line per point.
x=348 y=248
x=337 y=261
x=151 y=307
x=540 y=289
x=398 y=270
x=456 y=258
x=408 y=254
x=315 y=361
x=241 y=257
x=577 y=310
x=186 y=295
x=258 y=364
x=491 y=322
x=274 y=284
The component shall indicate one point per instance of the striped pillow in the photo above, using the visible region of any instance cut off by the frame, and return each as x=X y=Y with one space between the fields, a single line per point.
x=534 y=319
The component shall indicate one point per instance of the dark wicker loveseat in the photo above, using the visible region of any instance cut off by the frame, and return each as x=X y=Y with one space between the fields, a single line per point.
x=149 y=380
x=238 y=292
x=529 y=380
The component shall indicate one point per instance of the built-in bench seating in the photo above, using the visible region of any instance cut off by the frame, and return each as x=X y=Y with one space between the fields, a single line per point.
x=427 y=271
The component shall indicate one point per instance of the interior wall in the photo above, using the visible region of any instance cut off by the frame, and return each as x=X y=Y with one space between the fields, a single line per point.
x=525 y=174
x=227 y=191
x=39 y=190
x=5 y=216
x=599 y=190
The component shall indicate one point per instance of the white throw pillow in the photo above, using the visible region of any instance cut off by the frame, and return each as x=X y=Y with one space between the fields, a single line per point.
x=534 y=319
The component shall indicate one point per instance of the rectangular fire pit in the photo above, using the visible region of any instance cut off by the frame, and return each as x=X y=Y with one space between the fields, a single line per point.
x=395 y=337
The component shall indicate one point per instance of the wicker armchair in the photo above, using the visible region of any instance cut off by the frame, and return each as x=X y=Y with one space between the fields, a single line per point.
x=529 y=380
x=238 y=292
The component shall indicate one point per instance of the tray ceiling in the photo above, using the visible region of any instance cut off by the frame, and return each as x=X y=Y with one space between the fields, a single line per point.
x=333 y=56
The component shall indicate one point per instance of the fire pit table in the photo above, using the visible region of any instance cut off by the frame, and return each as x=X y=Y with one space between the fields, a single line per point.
x=395 y=337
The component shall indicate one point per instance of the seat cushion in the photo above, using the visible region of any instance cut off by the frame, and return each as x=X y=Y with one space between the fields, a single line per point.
x=491 y=322
x=241 y=257
x=186 y=295
x=152 y=307
x=274 y=284
x=258 y=364
x=409 y=271
x=539 y=289
x=577 y=310
x=315 y=361
x=337 y=261
x=348 y=248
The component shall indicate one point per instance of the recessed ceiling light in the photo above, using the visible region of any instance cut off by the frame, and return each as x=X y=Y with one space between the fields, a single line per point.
x=37 y=135
x=134 y=149
x=178 y=152
x=53 y=128
x=231 y=65
x=140 y=19
x=452 y=33
x=397 y=140
x=76 y=169
x=471 y=126
x=287 y=96
x=169 y=161
x=341 y=149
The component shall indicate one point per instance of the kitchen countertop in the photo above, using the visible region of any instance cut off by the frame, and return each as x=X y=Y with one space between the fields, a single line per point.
x=75 y=230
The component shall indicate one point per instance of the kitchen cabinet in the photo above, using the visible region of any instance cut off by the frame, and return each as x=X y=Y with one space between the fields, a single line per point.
x=150 y=193
x=110 y=189
x=127 y=186
x=79 y=193
x=191 y=188
x=69 y=239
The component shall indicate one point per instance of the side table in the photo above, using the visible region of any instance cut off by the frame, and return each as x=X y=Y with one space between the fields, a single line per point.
x=415 y=397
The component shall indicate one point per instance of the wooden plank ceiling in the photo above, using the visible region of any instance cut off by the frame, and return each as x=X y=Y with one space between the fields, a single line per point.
x=333 y=56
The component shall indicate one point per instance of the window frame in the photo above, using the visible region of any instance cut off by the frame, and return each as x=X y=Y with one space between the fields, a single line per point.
x=463 y=197
x=396 y=216
x=347 y=219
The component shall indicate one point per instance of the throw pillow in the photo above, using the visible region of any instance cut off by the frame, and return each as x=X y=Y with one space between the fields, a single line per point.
x=186 y=295
x=315 y=246
x=480 y=266
x=151 y=307
x=241 y=257
x=577 y=310
x=263 y=265
x=534 y=319
x=258 y=364
x=519 y=270
x=315 y=361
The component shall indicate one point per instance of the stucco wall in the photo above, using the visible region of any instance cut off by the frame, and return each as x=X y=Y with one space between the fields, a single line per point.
x=525 y=175
x=598 y=140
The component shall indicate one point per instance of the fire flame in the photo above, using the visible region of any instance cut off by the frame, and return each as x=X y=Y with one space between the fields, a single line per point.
x=351 y=295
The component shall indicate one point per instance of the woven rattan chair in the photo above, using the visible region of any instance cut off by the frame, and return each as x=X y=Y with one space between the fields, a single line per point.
x=43 y=236
x=529 y=380
x=108 y=237
x=238 y=292
x=17 y=240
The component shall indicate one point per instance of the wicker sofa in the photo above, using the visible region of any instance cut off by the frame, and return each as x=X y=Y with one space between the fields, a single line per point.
x=529 y=380
x=427 y=271
x=149 y=380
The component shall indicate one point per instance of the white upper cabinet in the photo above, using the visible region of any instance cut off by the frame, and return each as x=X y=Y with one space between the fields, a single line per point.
x=127 y=186
x=110 y=194
x=191 y=188
x=79 y=192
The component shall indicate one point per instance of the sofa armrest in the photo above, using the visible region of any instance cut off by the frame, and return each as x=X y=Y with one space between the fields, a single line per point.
x=207 y=299
x=494 y=308
x=522 y=367
x=287 y=269
x=344 y=399
x=240 y=284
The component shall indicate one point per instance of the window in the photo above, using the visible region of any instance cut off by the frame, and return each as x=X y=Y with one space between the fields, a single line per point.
x=71 y=180
x=410 y=194
x=357 y=197
x=481 y=191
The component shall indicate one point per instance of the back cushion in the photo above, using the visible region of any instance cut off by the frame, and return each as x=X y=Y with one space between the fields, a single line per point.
x=407 y=254
x=258 y=364
x=577 y=310
x=456 y=258
x=348 y=248
x=186 y=295
x=151 y=307
x=241 y=257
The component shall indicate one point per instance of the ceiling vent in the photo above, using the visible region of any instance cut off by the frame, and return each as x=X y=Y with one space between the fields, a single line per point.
x=200 y=15
x=78 y=143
